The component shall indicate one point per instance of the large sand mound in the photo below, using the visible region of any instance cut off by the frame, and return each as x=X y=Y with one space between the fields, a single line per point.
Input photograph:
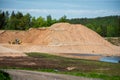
x=60 y=38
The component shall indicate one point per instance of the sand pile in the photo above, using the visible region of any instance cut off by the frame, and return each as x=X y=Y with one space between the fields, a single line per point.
x=60 y=38
x=68 y=34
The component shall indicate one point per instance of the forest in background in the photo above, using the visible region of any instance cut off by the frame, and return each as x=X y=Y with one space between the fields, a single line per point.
x=108 y=26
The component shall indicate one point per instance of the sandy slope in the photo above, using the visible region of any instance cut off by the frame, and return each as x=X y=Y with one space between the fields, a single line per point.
x=59 y=38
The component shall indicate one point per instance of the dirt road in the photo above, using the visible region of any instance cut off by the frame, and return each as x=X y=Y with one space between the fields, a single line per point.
x=33 y=75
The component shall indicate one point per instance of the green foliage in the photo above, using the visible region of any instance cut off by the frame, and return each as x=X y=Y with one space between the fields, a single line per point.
x=4 y=76
x=108 y=26
x=49 y=20
x=40 y=22
x=63 y=19
x=17 y=21
x=44 y=55
x=2 y=19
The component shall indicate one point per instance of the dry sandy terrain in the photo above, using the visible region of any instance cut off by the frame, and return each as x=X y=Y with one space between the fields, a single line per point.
x=32 y=75
x=59 y=38
x=4 y=51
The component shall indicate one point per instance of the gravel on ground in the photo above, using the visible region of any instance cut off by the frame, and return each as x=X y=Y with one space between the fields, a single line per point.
x=34 y=75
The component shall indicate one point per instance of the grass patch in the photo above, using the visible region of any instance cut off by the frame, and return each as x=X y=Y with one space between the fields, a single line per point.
x=4 y=75
x=43 y=55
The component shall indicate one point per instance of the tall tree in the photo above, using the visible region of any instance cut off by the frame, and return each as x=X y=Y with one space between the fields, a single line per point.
x=119 y=26
x=63 y=19
x=49 y=20
x=40 y=22
x=25 y=22
x=19 y=15
x=2 y=20
x=12 y=14
x=33 y=22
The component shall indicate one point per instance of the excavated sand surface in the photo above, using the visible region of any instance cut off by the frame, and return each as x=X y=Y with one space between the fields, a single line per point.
x=59 y=38
x=10 y=52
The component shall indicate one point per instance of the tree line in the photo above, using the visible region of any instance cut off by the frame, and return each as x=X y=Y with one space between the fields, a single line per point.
x=108 y=26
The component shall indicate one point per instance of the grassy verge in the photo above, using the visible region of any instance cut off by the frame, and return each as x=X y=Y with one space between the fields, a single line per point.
x=56 y=64
x=4 y=75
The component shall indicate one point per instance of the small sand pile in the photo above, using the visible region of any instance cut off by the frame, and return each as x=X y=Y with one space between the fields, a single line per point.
x=60 y=38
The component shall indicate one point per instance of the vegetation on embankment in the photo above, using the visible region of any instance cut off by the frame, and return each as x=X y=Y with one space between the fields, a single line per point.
x=113 y=40
x=51 y=63
x=4 y=75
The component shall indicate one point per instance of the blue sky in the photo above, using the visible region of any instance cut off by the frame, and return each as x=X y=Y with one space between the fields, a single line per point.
x=58 y=8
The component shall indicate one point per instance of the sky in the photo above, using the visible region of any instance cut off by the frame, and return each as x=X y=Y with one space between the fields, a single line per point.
x=59 y=8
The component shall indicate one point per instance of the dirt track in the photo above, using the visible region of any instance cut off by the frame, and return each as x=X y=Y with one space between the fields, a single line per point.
x=33 y=75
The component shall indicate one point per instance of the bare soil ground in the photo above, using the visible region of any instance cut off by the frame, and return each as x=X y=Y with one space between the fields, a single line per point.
x=43 y=63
